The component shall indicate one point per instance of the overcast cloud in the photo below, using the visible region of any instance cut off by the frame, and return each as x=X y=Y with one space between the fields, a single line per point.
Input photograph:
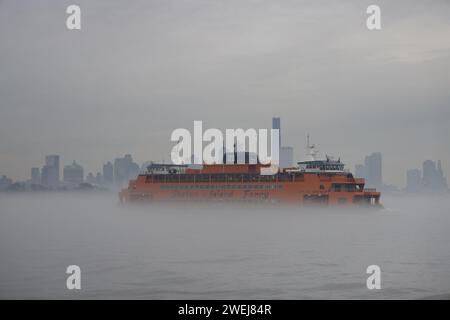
x=139 y=69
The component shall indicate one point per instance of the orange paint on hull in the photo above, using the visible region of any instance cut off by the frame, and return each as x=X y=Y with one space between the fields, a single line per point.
x=244 y=183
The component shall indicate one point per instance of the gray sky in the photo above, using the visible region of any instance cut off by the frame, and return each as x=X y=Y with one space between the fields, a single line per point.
x=139 y=69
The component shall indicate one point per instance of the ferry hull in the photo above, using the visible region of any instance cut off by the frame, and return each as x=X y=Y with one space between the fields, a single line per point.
x=300 y=189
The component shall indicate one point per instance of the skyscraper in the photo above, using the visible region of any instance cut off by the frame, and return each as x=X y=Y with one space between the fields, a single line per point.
x=433 y=177
x=432 y=180
x=73 y=174
x=53 y=161
x=108 y=173
x=50 y=172
x=360 y=171
x=124 y=170
x=35 y=176
x=286 y=156
x=429 y=174
x=371 y=171
x=276 y=124
x=5 y=182
x=413 y=180
x=442 y=178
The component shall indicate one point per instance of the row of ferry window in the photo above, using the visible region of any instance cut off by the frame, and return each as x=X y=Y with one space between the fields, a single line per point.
x=223 y=178
x=229 y=186
x=325 y=167
x=345 y=187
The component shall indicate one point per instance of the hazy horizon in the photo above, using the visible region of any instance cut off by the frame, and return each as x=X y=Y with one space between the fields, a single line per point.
x=220 y=251
x=136 y=71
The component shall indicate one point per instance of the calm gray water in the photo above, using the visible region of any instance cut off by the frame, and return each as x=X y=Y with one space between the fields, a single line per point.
x=217 y=252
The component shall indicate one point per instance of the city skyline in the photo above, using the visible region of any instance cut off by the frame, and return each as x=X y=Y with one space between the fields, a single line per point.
x=118 y=172
x=287 y=155
x=24 y=174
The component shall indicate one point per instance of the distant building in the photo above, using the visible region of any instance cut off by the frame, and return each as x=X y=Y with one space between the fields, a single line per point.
x=90 y=178
x=429 y=174
x=47 y=176
x=276 y=124
x=124 y=170
x=286 y=157
x=371 y=171
x=360 y=171
x=108 y=173
x=73 y=174
x=413 y=180
x=99 y=178
x=35 y=176
x=50 y=172
x=53 y=161
x=5 y=182
x=433 y=177
x=443 y=180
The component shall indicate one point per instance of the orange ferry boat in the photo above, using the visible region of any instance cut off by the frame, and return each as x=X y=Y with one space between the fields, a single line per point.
x=312 y=182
